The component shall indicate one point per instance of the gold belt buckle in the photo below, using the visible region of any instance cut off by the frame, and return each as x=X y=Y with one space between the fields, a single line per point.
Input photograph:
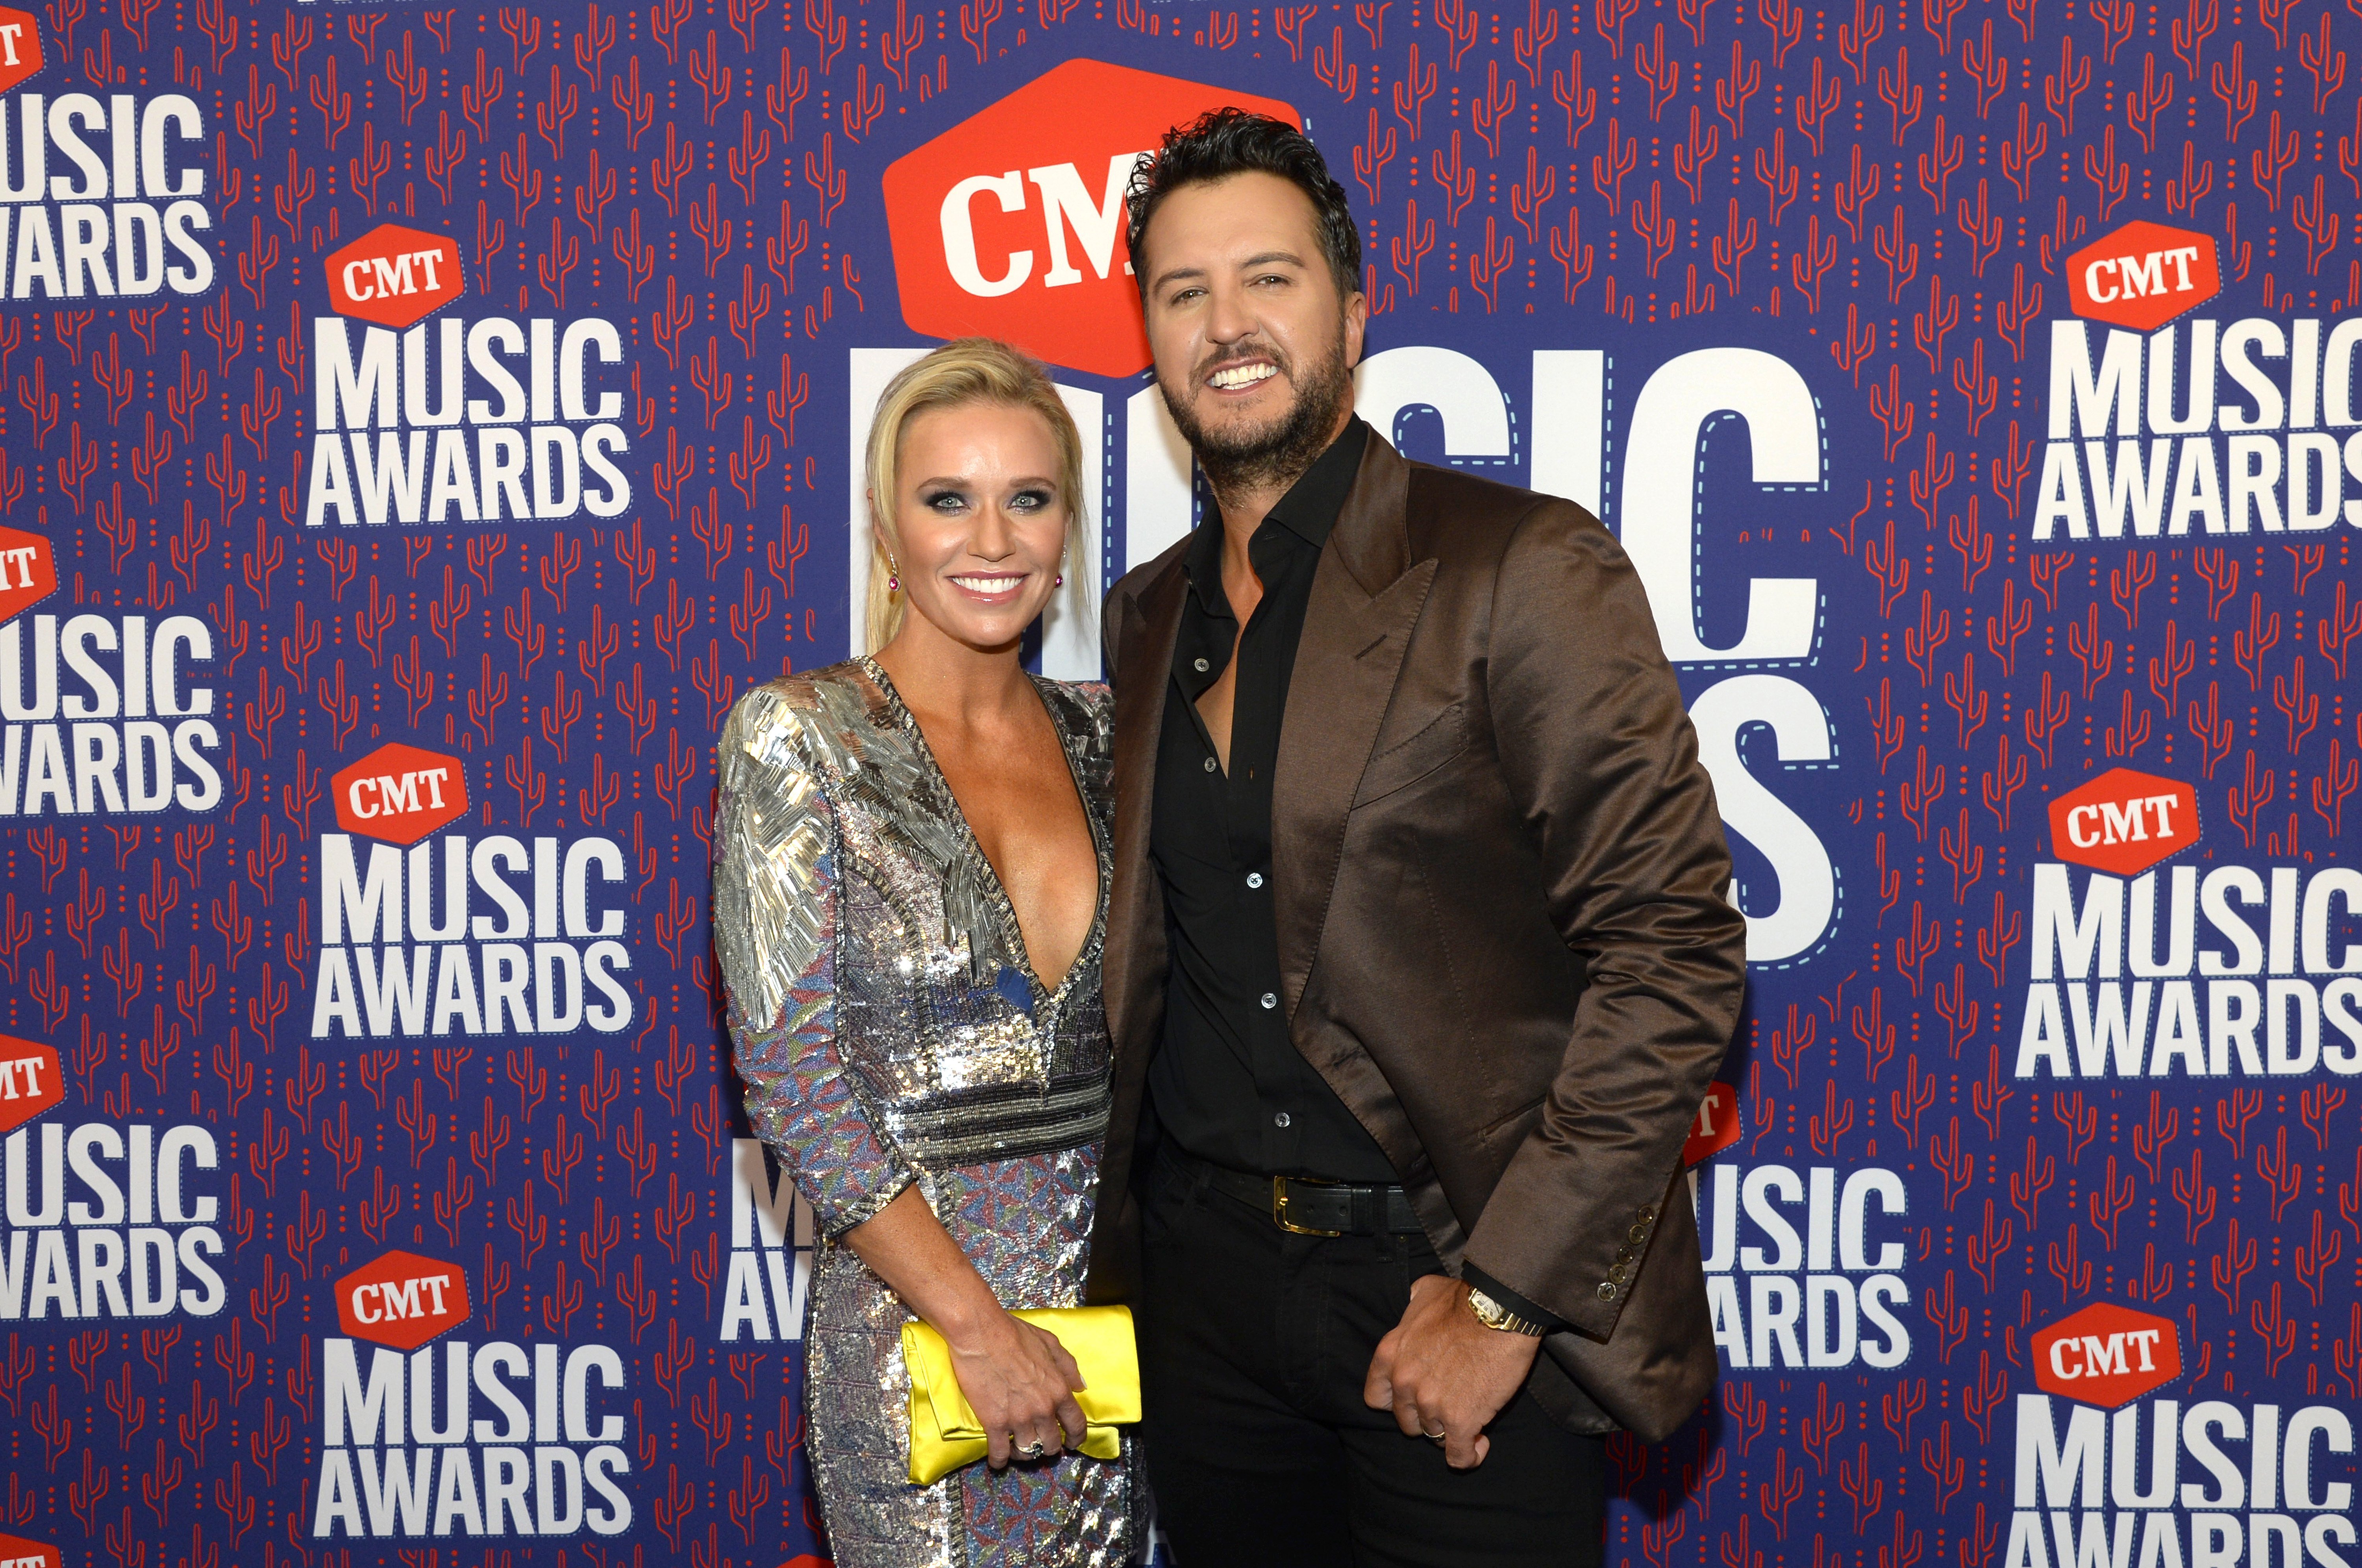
x=1279 y=1210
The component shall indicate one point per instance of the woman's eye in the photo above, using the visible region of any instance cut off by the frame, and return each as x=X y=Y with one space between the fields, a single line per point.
x=945 y=500
x=1029 y=500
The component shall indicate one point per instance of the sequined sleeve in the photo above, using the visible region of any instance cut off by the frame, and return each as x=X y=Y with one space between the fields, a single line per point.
x=775 y=920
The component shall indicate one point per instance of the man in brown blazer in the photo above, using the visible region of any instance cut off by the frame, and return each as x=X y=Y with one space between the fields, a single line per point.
x=1418 y=963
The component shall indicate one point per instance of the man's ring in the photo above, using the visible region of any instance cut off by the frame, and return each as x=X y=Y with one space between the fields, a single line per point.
x=1033 y=1449
x=1432 y=1437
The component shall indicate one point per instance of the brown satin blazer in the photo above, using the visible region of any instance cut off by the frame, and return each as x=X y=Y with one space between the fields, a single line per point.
x=1503 y=934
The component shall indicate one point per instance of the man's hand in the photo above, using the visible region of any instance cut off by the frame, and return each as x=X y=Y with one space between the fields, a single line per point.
x=1442 y=1371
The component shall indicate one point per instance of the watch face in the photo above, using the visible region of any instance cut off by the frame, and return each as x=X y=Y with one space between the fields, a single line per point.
x=1492 y=1315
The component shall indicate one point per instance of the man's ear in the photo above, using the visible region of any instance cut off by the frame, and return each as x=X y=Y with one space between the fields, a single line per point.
x=1357 y=321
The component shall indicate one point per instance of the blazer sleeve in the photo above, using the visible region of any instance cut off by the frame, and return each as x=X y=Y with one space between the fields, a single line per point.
x=775 y=920
x=1597 y=753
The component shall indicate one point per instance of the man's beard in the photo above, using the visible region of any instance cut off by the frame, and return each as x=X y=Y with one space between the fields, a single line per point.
x=1277 y=454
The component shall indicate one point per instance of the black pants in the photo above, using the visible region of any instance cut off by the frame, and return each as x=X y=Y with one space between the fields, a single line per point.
x=1255 y=1343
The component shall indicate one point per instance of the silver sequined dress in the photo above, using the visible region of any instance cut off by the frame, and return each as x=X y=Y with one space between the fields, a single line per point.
x=889 y=1034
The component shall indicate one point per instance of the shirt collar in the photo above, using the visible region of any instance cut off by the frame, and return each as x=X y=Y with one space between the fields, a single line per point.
x=1308 y=511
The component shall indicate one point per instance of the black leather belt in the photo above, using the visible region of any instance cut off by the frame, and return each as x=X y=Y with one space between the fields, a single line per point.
x=1309 y=1208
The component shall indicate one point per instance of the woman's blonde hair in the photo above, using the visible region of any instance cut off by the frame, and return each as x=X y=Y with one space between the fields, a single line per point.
x=964 y=371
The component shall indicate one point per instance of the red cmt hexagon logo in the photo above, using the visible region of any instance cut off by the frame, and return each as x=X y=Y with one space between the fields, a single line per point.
x=1717 y=1126
x=2143 y=275
x=20 y=50
x=31 y=1081
x=15 y=1552
x=400 y=793
x=29 y=571
x=2122 y=823
x=1011 y=224
x=2106 y=1355
x=396 y=276
x=403 y=1300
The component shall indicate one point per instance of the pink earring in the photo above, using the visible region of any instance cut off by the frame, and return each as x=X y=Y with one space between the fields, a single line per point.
x=1061 y=581
x=893 y=576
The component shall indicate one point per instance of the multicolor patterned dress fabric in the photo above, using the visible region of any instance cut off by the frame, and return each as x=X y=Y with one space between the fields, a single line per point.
x=891 y=1033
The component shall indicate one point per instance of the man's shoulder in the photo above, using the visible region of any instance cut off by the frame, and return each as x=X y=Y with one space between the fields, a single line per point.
x=1452 y=512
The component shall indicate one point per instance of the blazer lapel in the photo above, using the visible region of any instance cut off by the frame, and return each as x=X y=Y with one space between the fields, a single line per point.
x=1132 y=965
x=1366 y=597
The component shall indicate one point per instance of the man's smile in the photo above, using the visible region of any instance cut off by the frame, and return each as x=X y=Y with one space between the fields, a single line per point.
x=1237 y=378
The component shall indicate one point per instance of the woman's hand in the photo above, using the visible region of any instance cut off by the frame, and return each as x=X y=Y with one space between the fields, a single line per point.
x=1020 y=1382
x=1019 y=1379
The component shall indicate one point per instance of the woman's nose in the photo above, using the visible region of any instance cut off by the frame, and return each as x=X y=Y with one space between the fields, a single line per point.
x=996 y=532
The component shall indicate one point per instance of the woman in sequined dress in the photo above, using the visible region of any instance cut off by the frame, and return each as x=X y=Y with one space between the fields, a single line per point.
x=909 y=892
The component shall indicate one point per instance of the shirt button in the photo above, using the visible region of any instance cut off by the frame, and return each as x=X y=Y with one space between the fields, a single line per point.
x=1211 y=765
x=1200 y=665
x=1254 y=878
x=1269 y=1001
x=1281 y=1120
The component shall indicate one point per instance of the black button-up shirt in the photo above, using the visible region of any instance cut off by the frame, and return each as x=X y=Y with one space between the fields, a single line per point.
x=1229 y=1084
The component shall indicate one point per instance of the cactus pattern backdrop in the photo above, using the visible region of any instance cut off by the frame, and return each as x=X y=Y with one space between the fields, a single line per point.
x=421 y=422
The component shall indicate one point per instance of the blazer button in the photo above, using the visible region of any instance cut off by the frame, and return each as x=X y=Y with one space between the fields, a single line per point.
x=1637 y=1234
x=1617 y=1274
x=1648 y=1214
x=1606 y=1291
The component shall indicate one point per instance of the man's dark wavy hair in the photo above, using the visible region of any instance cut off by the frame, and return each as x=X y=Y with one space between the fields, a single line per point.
x=1223 y=142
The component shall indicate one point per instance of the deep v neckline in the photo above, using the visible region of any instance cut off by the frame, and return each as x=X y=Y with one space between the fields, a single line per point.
x=1013 y=930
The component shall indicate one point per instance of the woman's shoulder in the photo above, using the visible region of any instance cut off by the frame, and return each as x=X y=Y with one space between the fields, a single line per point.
x=811 y=717
x=1087 y=705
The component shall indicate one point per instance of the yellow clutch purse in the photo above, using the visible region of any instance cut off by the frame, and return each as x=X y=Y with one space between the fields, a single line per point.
x=945 y=1432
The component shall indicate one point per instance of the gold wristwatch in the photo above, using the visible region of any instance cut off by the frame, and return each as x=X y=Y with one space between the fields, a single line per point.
x=1492 y=1315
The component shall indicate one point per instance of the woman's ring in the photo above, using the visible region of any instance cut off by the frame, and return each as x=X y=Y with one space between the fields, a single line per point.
x=1033 y=1449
